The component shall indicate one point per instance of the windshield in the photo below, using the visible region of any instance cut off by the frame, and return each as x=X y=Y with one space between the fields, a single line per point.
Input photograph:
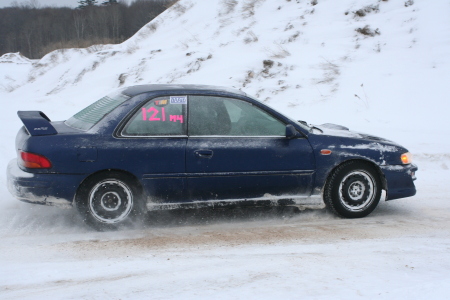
x=91 y=115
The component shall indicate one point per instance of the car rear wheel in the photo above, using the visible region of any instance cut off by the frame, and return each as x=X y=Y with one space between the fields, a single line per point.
x=353 y=190
x=110 y=201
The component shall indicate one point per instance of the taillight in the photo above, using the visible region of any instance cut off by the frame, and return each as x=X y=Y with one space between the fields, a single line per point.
x=34 y=161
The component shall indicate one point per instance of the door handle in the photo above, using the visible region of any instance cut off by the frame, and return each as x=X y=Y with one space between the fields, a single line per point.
x=204 y=153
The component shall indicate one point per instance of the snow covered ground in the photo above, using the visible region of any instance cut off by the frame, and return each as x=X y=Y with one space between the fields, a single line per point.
x=393 y=84
x=401 y=251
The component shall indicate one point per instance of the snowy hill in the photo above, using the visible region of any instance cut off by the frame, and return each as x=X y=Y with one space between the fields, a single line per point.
x=376 y=66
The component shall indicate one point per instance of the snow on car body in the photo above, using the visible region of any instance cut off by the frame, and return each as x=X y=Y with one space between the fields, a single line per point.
x=164 y=146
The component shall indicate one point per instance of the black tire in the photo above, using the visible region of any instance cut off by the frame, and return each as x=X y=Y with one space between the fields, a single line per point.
x=353 y=190
x=109 y=201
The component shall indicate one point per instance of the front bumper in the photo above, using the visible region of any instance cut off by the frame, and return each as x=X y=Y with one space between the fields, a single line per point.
x=47 y=189
x=400 y=180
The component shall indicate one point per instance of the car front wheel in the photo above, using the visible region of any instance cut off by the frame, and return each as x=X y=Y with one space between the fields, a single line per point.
x=109 y=201
x=353 y=190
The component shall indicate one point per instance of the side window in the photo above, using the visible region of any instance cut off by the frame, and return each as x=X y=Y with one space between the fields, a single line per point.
x=159 y=116
x=210 y=115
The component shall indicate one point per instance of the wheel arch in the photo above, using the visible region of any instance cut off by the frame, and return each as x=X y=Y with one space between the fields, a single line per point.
x=105 y=173
x=361 y=160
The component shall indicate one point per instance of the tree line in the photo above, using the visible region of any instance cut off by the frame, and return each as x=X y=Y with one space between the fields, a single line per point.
x=34 y=31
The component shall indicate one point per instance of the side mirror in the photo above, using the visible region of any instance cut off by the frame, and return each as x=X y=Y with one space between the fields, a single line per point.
x=291 y=132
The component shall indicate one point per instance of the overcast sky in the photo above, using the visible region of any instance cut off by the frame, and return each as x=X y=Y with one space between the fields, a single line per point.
x=70 y=3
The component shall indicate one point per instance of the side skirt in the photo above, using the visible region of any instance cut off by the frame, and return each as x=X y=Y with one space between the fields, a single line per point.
x=313 y=202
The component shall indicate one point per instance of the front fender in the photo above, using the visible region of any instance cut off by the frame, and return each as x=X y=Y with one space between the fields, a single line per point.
x=343 y=149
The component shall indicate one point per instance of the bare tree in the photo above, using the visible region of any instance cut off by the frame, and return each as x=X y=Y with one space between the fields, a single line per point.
x=79 y=22
x=27 y=33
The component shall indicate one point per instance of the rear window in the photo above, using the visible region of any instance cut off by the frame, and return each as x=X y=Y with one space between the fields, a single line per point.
x=91 y=115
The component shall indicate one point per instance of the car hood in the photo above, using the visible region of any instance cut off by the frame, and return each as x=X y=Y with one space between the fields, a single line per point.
x=342 y=131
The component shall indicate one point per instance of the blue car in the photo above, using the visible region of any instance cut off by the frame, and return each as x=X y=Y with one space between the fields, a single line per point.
x=152 y=147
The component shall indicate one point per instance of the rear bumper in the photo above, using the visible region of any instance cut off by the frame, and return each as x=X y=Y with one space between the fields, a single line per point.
x=400 y=180
x=47 y=189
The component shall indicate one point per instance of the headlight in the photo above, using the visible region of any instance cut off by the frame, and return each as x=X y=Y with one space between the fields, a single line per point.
x=406 y=158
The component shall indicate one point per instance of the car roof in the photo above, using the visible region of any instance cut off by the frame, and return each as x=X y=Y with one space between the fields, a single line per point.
x=140 y=89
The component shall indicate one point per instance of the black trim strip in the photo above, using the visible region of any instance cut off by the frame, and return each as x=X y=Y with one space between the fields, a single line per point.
x=229 y=174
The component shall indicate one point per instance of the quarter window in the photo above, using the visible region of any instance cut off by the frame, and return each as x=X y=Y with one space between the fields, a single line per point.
x=91 y=115
x=210 y=115
x=160 y=116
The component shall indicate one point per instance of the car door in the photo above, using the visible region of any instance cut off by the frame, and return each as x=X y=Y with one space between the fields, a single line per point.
x=153 y=145
x=236 y=150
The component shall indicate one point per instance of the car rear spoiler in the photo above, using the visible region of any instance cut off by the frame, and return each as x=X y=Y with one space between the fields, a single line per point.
x=36 y=123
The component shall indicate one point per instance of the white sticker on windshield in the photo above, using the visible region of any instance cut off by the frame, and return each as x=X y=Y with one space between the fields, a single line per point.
x=178 y=99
